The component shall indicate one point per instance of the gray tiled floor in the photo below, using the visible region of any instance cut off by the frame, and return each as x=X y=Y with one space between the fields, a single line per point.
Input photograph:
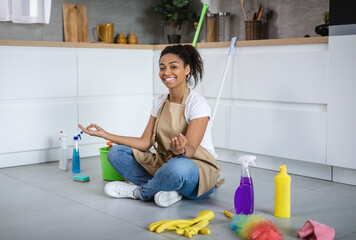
x=42 y=202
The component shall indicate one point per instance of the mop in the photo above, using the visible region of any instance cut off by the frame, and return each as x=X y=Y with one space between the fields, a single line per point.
x=233 y=41
x=232 y=44
x=201 y=19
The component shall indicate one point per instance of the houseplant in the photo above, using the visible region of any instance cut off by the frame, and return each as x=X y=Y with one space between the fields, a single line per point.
x=323 y=29
x=175 y=13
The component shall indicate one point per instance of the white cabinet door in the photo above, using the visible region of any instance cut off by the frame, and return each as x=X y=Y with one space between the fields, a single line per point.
x=279 y=132
x=37 y=86
x=158 y=86
x=219 y=129
x=126 y=116
x=30 y=72
x=342 y=102
x=35 y=125
x=276 y=73
x=111 y=72
x=215 y=61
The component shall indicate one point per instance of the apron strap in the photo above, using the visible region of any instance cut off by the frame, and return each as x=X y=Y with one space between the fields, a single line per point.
x=160 y=110
x=185 y=96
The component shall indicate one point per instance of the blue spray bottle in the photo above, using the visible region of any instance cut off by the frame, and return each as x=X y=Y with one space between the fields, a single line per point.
x=244 y=197
x=76 y=157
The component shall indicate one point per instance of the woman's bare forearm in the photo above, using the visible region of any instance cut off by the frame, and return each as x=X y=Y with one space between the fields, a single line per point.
x=138 y=143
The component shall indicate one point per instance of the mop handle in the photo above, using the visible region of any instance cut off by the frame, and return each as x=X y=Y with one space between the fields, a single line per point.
x=201 y=19
x=233 y=41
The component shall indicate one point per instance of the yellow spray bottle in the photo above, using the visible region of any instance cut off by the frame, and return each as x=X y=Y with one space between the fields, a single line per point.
x=282 y=197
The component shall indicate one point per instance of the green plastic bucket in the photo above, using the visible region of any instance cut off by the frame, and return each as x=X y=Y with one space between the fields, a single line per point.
x=109 y=173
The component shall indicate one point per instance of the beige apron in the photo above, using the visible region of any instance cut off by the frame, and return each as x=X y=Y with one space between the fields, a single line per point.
x=169 y=123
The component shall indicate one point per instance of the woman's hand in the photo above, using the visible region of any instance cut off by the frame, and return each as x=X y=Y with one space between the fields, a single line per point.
x=93 y=130
x=177 y=144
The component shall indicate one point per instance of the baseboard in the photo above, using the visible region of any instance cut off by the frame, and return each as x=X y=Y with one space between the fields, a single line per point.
x=46 y=155
x=344 y=175
x=297 y=167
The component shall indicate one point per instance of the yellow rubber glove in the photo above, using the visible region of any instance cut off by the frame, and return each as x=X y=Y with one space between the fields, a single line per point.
x=193 y=230
x=204 y=231
x=160 y=226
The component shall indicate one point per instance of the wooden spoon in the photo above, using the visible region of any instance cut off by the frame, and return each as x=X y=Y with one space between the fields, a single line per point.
x=243 y=9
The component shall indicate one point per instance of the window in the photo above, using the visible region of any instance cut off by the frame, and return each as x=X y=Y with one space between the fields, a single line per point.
x=25 y=11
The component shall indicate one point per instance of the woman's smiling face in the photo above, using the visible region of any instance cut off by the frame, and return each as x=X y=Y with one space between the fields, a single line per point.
x=172 y=71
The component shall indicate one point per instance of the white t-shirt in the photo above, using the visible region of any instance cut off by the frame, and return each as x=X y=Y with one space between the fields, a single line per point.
x=196 y=106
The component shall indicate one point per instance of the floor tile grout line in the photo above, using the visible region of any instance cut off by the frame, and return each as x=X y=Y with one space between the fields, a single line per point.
x=111 y=215
x=130 y=234
x=43 y=189
x=71 y=200
x=47 y=191
x=35 y=211
x=346 y=236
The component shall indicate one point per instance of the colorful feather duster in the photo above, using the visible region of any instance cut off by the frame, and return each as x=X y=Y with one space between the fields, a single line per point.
x=255 y=227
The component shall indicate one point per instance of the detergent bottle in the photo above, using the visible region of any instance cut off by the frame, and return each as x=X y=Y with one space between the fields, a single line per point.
x=76 y=157
x=244 y=197
x=63 y=157
x=282 y=194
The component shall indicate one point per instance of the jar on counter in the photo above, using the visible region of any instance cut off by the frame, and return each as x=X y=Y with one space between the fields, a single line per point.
x=224 y=26
x=211 y=33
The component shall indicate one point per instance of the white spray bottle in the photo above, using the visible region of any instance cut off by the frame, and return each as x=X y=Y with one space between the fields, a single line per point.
x=63 y=157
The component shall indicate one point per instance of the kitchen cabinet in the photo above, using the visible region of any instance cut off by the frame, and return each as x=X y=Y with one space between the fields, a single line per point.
x=293 y=74
x=32 y=82
x=45 y=90
x=279 y=107
x=107 y=72
x=285 y=133
x=288 y=99
x=37 y=72
x=341 y=128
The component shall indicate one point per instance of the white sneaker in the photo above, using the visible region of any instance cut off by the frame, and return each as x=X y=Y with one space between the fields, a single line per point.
x=167 y=198
x=121 y=190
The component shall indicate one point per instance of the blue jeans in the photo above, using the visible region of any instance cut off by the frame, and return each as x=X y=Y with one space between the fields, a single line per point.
x=178 y=174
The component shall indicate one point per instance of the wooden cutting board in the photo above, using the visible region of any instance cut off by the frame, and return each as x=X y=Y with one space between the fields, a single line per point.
x=75 y=21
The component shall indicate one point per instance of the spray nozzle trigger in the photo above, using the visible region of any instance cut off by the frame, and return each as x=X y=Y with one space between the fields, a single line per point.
x=247 y=159
x=77 y=135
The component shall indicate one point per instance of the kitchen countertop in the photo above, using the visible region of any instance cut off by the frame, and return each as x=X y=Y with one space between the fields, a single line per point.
x=267 y=42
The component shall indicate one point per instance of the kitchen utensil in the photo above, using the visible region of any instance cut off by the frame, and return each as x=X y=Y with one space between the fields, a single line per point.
x=243 y=8
x=260 y=12
x=105 y=32
x=254 y=16
x=232 y=45
x=75 y=21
